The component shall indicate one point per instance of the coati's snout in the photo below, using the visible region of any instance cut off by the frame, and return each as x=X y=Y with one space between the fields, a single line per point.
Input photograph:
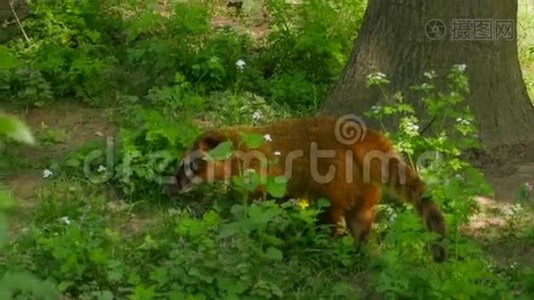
x=196 y=166
x=190 y=172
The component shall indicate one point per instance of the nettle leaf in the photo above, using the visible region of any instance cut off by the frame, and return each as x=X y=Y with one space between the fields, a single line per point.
x=276 y=186
x=222 y=151
x=274 y=254
x=323 y=203
x=252 y=140
x=228 y=230
x=249 y=181
x=14 y=128
x=233 y=288
x=7 y=59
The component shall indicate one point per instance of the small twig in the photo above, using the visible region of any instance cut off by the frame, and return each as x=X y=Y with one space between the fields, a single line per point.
x=18 y=22
x=428 y=125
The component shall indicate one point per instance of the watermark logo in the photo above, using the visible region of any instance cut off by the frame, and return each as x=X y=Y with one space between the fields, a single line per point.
x=435 y=29
x=350 y=129
x=104 y=172
x=471 y=29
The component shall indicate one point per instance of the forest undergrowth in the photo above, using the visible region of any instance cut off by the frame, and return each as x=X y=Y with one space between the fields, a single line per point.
x=117 y=90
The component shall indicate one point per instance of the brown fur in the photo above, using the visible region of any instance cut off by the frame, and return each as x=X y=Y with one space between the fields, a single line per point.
x=353 y=202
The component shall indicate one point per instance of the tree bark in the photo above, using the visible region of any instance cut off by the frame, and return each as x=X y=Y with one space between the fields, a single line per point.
x=393 y=41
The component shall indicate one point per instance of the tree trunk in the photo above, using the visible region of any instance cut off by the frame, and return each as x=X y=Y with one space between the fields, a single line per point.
x=395 y=40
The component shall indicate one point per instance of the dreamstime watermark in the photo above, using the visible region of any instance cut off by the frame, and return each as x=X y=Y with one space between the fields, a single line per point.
x=471 y=29
x=346 y=162
x=325 y=165
x=105 y=172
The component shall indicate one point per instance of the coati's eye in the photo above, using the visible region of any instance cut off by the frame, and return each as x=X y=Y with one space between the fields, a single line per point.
x=195 y=164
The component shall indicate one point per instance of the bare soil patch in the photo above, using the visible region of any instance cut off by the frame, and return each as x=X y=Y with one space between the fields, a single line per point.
x=74 y=125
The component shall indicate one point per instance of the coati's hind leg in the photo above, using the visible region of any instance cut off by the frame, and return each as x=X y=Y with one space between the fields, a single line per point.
x=362 y=215
x=335 y=217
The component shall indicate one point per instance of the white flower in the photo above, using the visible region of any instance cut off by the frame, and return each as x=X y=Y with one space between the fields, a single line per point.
x=377 y=76
x=392 y=217
x=240 y=64
x=376 y=79
x=277 y=153
x=463 y=121
x=413 y=127
x=47 y=173
x=267 y=138
x=101 y=169
x=461 y=67
x=430 y=75
x=249 y=171
x=65 y=220
x=256 y=115
x=380 y=75
x=247 y=174
x=375 y=109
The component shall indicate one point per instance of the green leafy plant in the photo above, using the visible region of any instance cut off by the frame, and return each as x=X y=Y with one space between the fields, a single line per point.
x=312 y=38
x=146 y=152
x=67 y=50
x=12 y=282
x=452 y=183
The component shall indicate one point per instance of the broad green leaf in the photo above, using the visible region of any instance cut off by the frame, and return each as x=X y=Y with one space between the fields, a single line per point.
x=222 y=151
x=15 y=129
x=252 y=140
x=229 y=230
x=249 y=181
x=142 y=292
x=274 y=254
x=322 y=203
x=19 y=281
x=237 y=210
x=7 y=59
x=233 y=288
x=6 y=201
x=276 y=186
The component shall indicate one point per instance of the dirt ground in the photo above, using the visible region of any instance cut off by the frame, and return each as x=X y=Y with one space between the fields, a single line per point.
x=59 y=130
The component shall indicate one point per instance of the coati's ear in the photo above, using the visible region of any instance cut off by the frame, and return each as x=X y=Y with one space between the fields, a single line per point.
x=210 y=140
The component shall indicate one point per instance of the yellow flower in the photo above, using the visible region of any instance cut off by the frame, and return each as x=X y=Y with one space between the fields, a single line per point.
x=303 y=203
